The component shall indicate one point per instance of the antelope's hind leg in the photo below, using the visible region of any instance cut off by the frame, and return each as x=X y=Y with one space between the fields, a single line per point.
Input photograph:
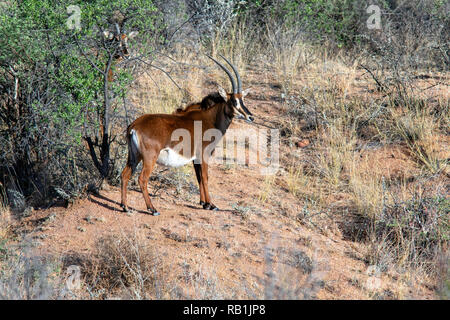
x=147 y=168
x=125 y=177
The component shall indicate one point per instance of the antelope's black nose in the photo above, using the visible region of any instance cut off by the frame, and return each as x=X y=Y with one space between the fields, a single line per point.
x=250 y=118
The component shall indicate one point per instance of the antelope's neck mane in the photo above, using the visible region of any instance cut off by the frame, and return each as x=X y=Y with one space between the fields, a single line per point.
x=211 y=100
x=216 y=104
x=208 y=102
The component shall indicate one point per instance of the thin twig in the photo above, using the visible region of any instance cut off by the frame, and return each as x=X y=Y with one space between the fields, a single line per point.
x=87 y=58
x=163 y=71
x=374 y=78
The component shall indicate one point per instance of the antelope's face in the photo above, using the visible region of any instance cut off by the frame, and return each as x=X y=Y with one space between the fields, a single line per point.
x=121 y=39
x=237 y=103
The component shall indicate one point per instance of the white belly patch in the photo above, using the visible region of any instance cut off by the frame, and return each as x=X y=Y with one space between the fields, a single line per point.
x=169 y=158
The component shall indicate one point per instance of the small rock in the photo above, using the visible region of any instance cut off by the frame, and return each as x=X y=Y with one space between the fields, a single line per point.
x=300 y=260
x=236 y=254
x=81 y=229
x=201 y=243
x=302 y=143
x=220 y=244
x=50 y=217
x=100 y=219
x=106 y=187
x=88 y=219
x=27 y=212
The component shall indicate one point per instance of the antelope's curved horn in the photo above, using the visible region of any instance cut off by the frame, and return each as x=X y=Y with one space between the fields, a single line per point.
x=117 y=29
x=239 y=88
x=233 y=83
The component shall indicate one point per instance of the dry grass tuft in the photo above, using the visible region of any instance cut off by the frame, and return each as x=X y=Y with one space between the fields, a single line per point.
x=383 y=200
x=126 y=266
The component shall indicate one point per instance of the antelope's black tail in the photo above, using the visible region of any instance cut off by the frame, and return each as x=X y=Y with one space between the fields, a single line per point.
x=133 y=149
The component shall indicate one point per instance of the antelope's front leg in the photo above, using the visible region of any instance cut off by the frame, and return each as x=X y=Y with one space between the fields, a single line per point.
x=207 y=205
x=198 y=174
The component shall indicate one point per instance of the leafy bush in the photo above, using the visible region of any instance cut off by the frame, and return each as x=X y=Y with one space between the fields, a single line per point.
x=55 y=90
x=338 y=21
x=414 y=35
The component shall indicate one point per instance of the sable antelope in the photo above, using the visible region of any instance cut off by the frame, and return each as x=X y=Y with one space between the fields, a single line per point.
x=116 y=49
x=149 y=137
x=120 y=39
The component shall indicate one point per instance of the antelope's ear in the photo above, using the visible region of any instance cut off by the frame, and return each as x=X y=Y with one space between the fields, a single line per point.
x=108 y=35
x=223 y=93
x=133 y=34
x=246 y=92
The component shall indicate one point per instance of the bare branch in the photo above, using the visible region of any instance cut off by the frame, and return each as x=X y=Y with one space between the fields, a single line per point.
x=163 y=71
x=87 y=58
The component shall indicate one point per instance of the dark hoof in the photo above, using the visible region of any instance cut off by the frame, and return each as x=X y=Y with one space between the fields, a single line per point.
x=124 y=208
x=210 y=206
x=202 y=203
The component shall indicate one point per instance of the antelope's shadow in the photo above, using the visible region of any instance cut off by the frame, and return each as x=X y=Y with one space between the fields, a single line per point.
x=94 y=198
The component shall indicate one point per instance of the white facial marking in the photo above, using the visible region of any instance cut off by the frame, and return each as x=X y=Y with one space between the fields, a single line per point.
x=239 y=108
x=238 y=104
x=108 y=35
x=169 y=158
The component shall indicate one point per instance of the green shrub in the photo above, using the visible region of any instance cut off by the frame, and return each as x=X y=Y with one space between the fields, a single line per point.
x=54 y=90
